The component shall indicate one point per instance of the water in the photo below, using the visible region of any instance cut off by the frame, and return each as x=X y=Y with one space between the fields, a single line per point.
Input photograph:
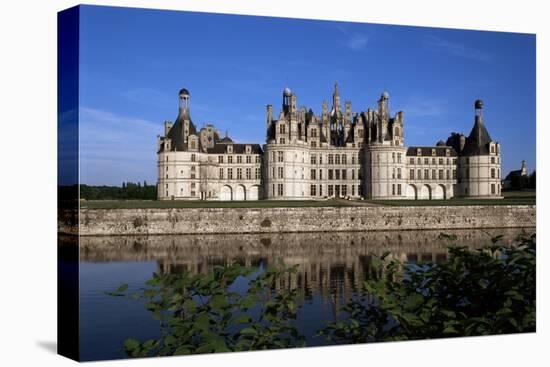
x=331 y=268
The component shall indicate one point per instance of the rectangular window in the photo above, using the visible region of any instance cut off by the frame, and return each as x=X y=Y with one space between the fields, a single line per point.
x=330 y=174
x=419 y=177
x=337 y=159
x=320 y=174
x=313 y=190
x=492 y=189
x=411 y=174
x=330 y=190
x=448 y=174
x=230 y=159
x=426 y=174
x=192 y=175
x=337 y=174
x=426 y=161
x=220 y=159
x=352 y=159
x=441 y=174
x=344 y=174
x=320 y=159
x=433 y=175
x=280 y=172
x=399 y=173
x=352 y=190
x=193 y=157
x=344 y=159
x=313 y=172
x=344 y=190
x=248 y=159
x=239 y=173
x=280 y=156
x=239 y=159
x=433 y=160
x=353 y=174
x=398 y=189
x=221 y=173
x=313 y=159
x=320 y=190
x=249 y=173
x=393 y=173
x=257 y=159
x=360 y=190
x=393 y=157
x=258 y=174
x=412 y=160
x=454 y=174
x=280 y=190
x=330 y=159
x=230 y=173
x=492 y=173
x=440 y=160
x=393 y=189
x=398 y=157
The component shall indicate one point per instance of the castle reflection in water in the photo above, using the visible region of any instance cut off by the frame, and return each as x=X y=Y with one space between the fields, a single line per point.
x=332 y=265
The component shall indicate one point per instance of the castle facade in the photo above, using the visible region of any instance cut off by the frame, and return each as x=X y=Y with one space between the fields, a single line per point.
x=338 y=153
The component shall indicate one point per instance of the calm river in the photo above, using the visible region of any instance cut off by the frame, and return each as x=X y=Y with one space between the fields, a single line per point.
x=331 y=268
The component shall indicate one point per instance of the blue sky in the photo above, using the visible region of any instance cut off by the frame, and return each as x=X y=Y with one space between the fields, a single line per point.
x=134 y=61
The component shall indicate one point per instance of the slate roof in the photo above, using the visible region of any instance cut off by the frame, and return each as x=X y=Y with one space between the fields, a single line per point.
x=427 y=151
x=237 y=149
x=176 y=133
x=477 y=143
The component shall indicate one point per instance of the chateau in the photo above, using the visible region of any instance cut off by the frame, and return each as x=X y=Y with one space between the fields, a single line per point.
x=338 y=153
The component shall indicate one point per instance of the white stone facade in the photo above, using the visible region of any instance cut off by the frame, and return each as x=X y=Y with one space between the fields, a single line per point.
x=335 y=154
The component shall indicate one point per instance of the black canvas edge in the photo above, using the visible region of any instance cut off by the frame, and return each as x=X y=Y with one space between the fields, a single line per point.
x=68 y=330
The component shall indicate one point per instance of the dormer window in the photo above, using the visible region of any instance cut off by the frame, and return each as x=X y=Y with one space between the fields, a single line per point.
x=447 y=152
x=230 y=149
x=248 y=149
x=433 y=152
x=418 y=151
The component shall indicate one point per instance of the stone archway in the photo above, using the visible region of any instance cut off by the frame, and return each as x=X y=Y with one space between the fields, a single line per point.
x=253 y=193
x=439 y=192
x=226 y=193
x=412 y=192
x=240 y=193
x=425 y=193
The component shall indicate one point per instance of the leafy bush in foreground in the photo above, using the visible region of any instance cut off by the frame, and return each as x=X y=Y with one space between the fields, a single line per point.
x=482 y=292
x=200 y=314
x=476 y=292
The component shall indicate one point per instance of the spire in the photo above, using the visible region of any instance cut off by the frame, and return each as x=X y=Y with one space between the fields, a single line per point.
x=479 y=138
x=184 y=104
x=335 y=100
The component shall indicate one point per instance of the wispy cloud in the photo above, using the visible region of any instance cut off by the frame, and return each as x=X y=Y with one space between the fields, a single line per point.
x=357 y=42
x=116 y=148
x=424 y=107
x=457 y=49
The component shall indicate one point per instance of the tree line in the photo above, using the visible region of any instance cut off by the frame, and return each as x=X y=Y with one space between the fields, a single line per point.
x=519 y=182
x=129 y=190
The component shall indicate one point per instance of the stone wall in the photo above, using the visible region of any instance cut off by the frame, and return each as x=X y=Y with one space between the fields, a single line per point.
x=322 y=219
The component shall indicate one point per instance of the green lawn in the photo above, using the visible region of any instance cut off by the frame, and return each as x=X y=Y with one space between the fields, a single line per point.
x=510 y=198
x=132 y=204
